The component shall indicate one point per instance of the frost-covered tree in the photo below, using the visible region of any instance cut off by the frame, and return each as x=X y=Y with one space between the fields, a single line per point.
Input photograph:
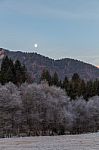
x=40 y=109
x=93 y=113
x=80 y=118
x=45 y=106
x=10 y=106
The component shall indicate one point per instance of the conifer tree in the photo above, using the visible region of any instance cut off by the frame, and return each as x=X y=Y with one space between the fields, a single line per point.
x=55 y=79
x=20 y=72
x=65 y=83
x=46 y=76
x=7 y=70
x=11 y=72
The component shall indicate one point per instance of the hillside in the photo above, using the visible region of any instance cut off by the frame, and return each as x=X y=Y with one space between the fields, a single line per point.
x=36 y=63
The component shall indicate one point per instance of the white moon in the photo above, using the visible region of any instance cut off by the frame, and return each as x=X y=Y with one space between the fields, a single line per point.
x=35 y=45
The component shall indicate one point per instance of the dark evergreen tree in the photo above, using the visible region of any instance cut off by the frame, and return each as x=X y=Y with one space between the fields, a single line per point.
x=96 y=87
x=90 y=90
x=7 y=71
x=55 y=79
x=20 y=72
x=5 y=64
x=11 y=72
x=82 y=89
x=65 y=83
x=75 y=86
x=46 y=76
x=75 y=77
x=60 y=84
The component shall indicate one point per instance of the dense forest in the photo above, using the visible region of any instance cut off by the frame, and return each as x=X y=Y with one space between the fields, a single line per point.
x=12 y=72
x=51 y=107
x=74 y=87
x=40 y=109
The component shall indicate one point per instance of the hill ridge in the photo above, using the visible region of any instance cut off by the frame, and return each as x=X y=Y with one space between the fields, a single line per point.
x=36 y=63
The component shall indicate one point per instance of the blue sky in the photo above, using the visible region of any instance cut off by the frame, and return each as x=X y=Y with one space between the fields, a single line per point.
x=61 y=28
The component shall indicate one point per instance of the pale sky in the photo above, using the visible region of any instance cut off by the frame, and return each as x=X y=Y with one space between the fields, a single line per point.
x=61 y=28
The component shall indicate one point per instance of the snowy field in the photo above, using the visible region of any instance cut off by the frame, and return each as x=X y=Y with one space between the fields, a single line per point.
x=68 y=142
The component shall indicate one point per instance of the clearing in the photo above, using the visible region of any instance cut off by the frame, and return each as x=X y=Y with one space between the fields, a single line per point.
x=67 y=142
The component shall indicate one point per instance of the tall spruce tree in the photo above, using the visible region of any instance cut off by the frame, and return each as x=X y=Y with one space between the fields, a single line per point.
x=7 y=70
x=11 y=72
x=74 y=88
x=46 y=76
x=65 y=83
x=55 y=79
x=20 y=72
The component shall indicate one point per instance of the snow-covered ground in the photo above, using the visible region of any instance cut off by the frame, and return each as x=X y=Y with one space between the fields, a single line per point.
x=68 y=142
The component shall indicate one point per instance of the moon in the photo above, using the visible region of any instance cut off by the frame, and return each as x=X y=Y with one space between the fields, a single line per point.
x=35 y=45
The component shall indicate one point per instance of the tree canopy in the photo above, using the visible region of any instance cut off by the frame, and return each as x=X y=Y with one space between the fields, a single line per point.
x=12 y=71
x=74 y=87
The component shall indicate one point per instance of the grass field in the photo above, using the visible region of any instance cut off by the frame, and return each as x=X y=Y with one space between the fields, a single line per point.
x=68 y=142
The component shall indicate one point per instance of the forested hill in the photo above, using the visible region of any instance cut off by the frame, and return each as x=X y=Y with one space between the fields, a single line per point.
x=36 y=63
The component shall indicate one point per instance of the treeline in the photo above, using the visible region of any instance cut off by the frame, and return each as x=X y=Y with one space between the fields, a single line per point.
x=13 y=72
x=54 y=107
x=40 y=109
x=74 y=87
